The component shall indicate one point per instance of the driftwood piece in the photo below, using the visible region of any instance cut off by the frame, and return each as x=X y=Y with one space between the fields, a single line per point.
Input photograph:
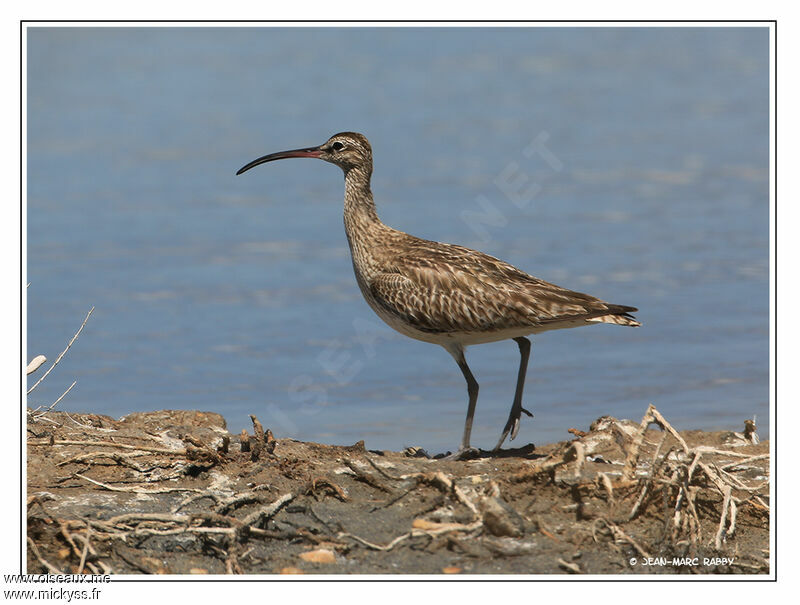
x=35 y=364
x=652 y=416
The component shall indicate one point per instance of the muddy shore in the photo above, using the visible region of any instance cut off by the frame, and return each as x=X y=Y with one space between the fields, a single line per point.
x=172 y=492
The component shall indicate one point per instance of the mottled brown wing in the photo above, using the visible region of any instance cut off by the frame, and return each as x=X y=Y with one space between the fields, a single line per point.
x=445 y=288
x=439 y=308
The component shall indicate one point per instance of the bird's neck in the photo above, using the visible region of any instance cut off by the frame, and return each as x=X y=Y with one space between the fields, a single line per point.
x=366 y=234
x=360 y=216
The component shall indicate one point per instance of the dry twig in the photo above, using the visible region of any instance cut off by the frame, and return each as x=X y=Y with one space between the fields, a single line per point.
x=265 y=513
x=652 y=416
x=366 y=477
x=571 y=567
x=139 y=490
x=36 y=416
x=41 y=559
x=85 y=549
x=124 y=446
x=64 y=352
x=116 y=457
x=619 y=535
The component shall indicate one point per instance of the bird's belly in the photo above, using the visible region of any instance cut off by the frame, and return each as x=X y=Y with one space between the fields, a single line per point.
x=481 y=337
x=404 y=327
x=465 y=338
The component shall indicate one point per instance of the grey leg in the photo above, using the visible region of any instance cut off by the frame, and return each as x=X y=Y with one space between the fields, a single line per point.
x=512 y=426
x=472 y=390
x=457 y=352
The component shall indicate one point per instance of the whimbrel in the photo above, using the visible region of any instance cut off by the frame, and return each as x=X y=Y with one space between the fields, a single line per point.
x=447 y=294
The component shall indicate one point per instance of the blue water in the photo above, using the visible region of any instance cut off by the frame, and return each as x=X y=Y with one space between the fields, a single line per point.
x=630 y=163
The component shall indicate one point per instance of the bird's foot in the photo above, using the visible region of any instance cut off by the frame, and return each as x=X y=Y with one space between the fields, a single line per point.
x=502 y=438
x=463 y=453
x=517 y=418
x=512 y=426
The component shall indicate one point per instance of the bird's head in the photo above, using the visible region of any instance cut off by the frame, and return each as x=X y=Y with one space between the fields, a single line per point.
x=347 y=150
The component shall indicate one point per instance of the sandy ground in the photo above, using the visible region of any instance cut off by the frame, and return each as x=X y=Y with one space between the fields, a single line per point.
x=172 y=492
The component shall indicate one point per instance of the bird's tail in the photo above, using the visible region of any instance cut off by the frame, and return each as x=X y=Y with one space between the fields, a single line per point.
x=620 y=315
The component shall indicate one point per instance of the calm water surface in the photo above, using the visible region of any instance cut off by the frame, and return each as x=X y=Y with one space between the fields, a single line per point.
x=628 y=163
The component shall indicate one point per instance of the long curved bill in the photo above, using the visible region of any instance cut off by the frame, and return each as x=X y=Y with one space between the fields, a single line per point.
x=309 y=152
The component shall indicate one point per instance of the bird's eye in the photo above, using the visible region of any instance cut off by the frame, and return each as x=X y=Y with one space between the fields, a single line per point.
x=337 y=146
